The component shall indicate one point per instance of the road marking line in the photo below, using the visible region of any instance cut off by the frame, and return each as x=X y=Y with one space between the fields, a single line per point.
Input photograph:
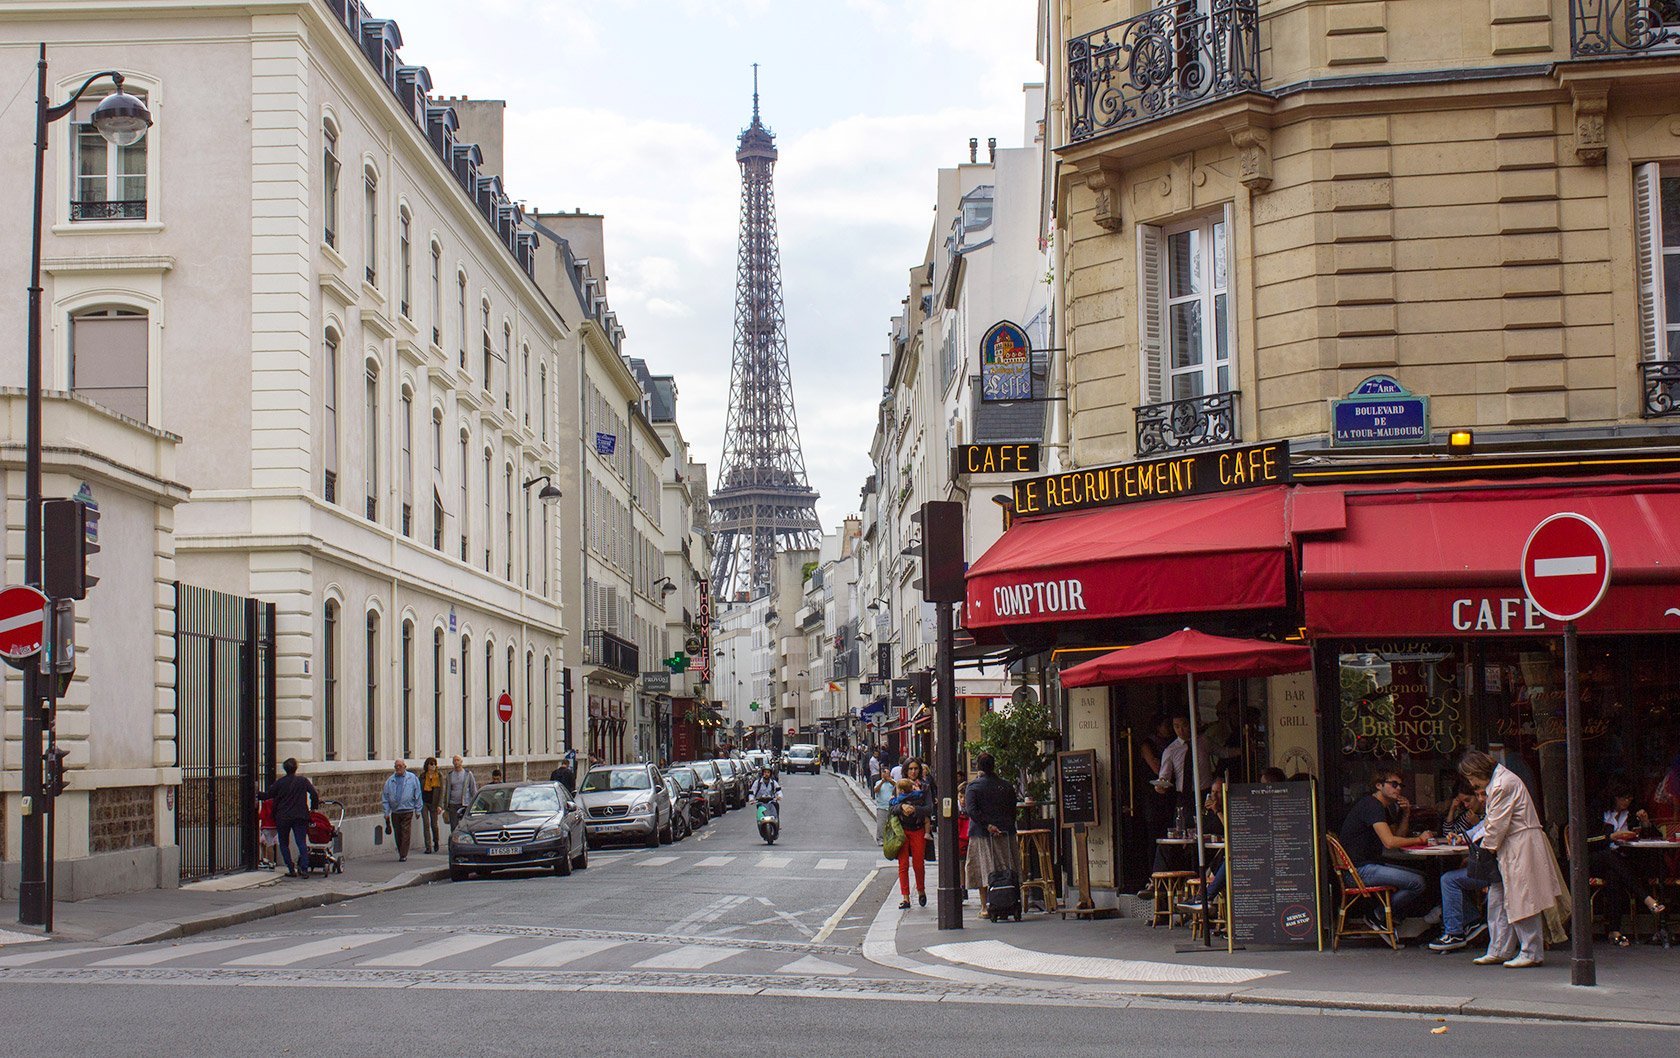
x=840 y=912
x=831 y=865
x=24 y=958
x=437 y=950
x=179 y=951
x=716 y=861
x=810 y=964
x=688 y=957
x=656 y=861
x=998 y=955
x=315 y=949
x=774 y=861
x=560 y=953
x=1575 y=566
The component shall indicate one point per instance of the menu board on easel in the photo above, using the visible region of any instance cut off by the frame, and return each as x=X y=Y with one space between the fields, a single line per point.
x=1272 y=865
x=1076 y=787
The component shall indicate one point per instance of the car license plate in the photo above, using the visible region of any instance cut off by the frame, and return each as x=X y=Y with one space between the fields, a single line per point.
x=506 y=850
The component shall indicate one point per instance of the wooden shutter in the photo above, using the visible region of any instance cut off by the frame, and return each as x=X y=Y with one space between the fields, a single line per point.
x=1647 y=215
x=1152 y=357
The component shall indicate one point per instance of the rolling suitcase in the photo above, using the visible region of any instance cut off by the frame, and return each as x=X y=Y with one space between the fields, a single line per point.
x=1003 y=895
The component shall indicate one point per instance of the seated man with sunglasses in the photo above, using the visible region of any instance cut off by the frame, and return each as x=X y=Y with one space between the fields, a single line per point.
x=1379 y=821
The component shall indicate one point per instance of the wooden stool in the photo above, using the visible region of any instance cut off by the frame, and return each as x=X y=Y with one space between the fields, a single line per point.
x=1036 y=870
x=1168 y=885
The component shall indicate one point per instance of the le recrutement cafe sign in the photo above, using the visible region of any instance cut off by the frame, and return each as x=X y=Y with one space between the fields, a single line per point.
x=1191 y=474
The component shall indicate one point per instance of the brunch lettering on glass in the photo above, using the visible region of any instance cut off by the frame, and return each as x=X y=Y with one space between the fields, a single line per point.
x=1187 y=475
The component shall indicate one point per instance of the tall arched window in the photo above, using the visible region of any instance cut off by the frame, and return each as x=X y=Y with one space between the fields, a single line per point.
x=507 y=518
x=329 y=682
x=548 y=707
x=370 y=441
x=372 y=685
x=466 y=695
x=507 y=368
x=461 y=317
x=530 y=697
x=405 y=261
x=489 y=354
x=329 y=183
x=329 y=417
x=542 y=398
x=437 y=692
x=510 y=687
x=489 y=695
x=408 y=688
x=466 y=471
x=405 y=470
x=370 y=239
x=489 y=505
x=525 y=384
x=110 y=180
x=109 y=359
x=437 y=295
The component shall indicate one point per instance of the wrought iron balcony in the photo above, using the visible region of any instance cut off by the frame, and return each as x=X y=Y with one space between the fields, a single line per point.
x=611 y=652
x=1170 y=58
x=1185 y=425
x=124 y=209
x=1661 y=380
x=1623 y=27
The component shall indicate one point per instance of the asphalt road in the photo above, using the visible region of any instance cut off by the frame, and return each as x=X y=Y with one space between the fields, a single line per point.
x=714 y=945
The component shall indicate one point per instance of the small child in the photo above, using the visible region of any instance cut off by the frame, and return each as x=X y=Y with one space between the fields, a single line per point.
x=268 y=837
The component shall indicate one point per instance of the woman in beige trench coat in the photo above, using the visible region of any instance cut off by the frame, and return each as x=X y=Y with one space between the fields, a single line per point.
x=1530 y=884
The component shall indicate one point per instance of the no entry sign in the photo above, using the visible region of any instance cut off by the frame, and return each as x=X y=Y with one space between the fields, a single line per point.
x=1566 y=566
x=504 y=707
x=22 y=624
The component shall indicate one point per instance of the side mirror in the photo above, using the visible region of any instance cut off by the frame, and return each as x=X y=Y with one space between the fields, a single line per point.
x=571 y=806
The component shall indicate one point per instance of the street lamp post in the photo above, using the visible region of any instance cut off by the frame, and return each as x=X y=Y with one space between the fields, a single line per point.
x=121 y=119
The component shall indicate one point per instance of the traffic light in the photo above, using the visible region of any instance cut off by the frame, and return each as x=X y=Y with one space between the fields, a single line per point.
x=69 y=536
x=941 y=551
x=54 y=784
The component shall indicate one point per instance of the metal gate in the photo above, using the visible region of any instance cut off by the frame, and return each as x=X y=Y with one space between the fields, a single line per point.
x=224 y=726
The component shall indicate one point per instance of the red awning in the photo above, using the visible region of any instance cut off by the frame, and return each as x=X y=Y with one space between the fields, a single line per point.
x=1445 y=561
x=1222 y=552
x=1190 y=653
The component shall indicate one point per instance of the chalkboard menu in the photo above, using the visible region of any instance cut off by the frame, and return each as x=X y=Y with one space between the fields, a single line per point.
x=1271 y=867
x=1076 y=786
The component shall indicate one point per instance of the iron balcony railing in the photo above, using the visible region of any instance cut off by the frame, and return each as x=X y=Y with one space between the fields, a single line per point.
x=1661 y=380
x=1189 y=424
x=611 y=652
x=1170 y=58
x=122 y=209
x=1623 y=27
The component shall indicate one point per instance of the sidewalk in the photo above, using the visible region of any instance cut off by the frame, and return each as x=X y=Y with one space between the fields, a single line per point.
x=1126 y=957
x=227 y=900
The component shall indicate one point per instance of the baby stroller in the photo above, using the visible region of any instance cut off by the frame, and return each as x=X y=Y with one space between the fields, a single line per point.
x=325 y=844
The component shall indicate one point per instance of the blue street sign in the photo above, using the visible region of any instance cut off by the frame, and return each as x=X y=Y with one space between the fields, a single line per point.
x=1379 y=411
x=605 y=443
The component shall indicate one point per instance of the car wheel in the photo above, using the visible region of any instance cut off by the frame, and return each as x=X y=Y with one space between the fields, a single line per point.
x=563 y=861
x=457 y=874
x=653 y=836
x=669 y=834
x=582 y=862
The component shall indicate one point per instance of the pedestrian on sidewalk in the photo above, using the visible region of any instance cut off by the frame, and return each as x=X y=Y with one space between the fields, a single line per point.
x=402 y=802
x=990 y=805
x=460 y=786
x=912 y=855
x=294 y=798
x=431 y=802
x=564 y=775
x=884 y=790
x=1529 y=885
x=268 y=838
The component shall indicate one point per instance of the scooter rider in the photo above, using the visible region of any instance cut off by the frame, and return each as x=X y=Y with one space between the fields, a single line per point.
x=766 y=788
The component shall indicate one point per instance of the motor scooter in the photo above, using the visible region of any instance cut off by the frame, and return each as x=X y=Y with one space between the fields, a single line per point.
x=769 y=820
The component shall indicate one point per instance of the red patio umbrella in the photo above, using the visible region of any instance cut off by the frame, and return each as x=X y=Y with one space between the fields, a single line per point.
x=1190 y=654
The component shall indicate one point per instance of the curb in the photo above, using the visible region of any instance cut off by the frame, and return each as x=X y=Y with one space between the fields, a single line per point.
x=238 y=914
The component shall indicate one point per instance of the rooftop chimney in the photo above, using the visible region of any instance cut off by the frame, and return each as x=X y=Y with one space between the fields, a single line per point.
x=991 y=148
x=973 y=149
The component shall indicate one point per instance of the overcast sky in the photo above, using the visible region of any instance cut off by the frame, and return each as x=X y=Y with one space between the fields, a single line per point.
x=631 y=109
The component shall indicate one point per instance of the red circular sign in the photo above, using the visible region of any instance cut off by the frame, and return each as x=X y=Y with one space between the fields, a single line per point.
x=1566 y=566
x=504 y=707
x=22 y=624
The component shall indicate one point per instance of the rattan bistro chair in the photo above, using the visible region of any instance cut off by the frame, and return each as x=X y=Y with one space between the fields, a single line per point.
x=1351 y=891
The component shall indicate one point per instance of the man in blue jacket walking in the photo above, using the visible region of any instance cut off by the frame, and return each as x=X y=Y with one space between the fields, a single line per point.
x=401 y=799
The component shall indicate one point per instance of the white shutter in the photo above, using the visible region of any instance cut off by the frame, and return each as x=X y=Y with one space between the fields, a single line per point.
x=1647 y=216
x=1152 y=356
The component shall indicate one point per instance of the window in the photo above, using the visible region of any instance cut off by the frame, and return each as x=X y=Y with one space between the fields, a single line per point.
x=466 y=468
x=1185 y=318
x=489 y=695
x=1657 y=218
x=370 y=207
x=466 y=695
x=407 y=467
x=405 y=260
x=527 y=527
x=329 y=184
x=507 y=366
x=408 y=688
x=548 y=708
x=329 y=682
x=542 y=398
x=461 y=337
x=489 y=353
x=109 y=360
x=437 y=691
x=530 y=696
x=372 y=685
x=437 y=520
x=543 y=548
x=110 y=181
x=507 y=511
x=437 y=294
x=371 y=472
x=507 y=732
x=489 y=505
x=525 y=384
x=329 y=419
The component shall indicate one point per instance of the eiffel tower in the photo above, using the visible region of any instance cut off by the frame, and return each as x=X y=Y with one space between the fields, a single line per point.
x=763 y=502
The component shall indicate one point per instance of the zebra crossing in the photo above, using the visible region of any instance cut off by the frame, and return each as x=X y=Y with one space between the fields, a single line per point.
x=437 y=949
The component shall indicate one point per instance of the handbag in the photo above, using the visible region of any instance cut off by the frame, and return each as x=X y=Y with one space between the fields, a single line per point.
x=894 y=839
x=1483 y=866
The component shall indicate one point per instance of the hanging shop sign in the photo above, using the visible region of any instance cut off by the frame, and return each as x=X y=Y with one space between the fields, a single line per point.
x=1005 y=363
x=1193 y=474
x=703 y=628
x=1379 y=411
x=995 y=459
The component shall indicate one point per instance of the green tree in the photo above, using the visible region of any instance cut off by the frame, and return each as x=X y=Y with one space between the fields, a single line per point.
x=1013 y=737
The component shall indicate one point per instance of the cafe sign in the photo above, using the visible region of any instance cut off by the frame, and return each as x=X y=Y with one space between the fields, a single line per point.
x=995 y=459
x=1192 y=474
x=1005 y=363
x=1379 y=411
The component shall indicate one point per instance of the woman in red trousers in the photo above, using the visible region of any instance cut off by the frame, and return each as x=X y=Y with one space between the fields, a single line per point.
x=911 y=807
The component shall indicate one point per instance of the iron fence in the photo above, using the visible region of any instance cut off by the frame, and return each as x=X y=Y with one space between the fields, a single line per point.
x=1185 y=425
x=1622 y=27
x=1661 y=383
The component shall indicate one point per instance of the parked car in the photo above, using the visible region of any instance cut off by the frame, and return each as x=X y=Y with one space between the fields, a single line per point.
x=626 y=801
x=713 y=783
x=802 y=758
x=760 y=758
x=680 y=827
x=696 y=800
x=734 y=781
x=509 y=825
